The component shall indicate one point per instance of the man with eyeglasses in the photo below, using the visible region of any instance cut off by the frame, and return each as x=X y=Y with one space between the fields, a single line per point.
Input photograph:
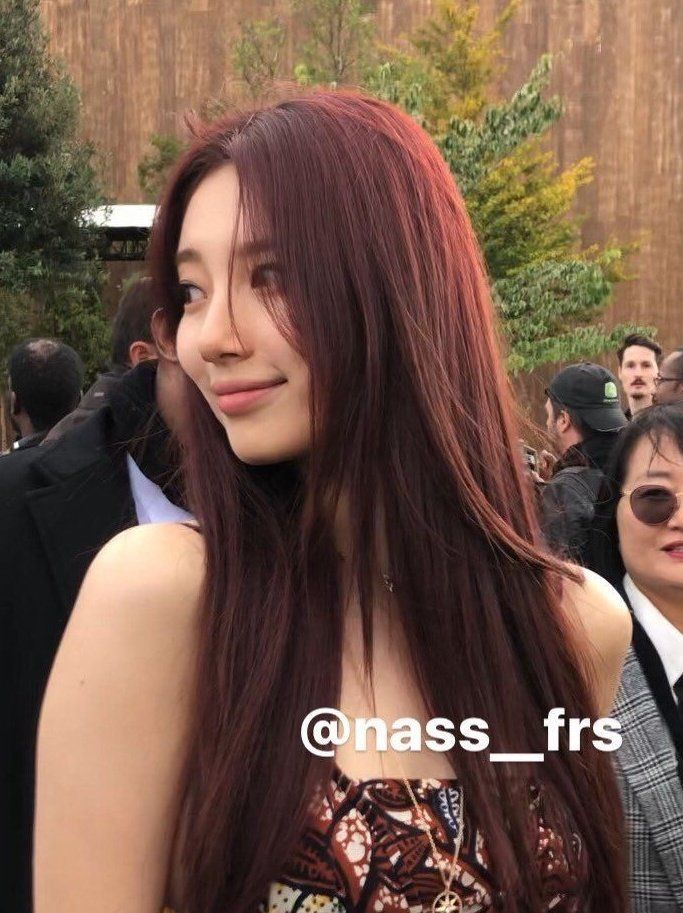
x=669 y=381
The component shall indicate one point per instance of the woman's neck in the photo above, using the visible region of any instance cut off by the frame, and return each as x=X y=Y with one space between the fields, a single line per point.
x=344 y=539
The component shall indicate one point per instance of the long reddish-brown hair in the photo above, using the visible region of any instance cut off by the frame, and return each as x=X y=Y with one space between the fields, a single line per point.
x=387 y=301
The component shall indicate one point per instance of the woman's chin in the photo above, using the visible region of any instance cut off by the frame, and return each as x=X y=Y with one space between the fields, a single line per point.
x=266 y=455
x=662 y=574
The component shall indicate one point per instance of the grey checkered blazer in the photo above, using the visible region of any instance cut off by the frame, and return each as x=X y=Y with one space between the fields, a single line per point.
x=646 y=766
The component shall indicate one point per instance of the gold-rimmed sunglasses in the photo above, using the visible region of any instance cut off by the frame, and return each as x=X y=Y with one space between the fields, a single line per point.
x=653 y=504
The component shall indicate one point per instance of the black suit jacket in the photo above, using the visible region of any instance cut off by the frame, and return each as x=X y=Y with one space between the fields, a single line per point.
x=59 y=504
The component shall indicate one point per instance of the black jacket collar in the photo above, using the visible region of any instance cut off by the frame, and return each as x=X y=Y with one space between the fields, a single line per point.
x=655 y=675
x=81 y=499
x=654 y=672
x=138 y=428
x=593 y=452
x=81 y=495
x=129 y=423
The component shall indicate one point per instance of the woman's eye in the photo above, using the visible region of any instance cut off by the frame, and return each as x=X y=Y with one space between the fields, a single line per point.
x=266 y=275
x=657 y=494
x=188 y=293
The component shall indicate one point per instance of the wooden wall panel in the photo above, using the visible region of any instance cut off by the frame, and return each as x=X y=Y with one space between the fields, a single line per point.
x=620 y=71
x=141 y=63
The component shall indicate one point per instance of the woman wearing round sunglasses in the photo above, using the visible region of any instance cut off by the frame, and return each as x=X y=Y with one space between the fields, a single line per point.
x=637 y=543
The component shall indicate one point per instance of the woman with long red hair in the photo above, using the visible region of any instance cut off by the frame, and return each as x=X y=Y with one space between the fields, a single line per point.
x=366 y=541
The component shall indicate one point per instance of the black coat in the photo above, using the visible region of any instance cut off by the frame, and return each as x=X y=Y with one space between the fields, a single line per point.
x=31 y=440
x=59 y=504
x=568 y=500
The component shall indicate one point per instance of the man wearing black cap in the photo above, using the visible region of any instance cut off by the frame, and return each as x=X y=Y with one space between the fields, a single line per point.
x=583 y=418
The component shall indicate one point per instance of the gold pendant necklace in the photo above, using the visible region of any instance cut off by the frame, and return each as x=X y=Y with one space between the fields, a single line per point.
x=447 y=901
x=388 y=582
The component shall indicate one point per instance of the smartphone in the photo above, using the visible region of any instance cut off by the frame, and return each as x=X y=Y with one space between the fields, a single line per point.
x=530 y=457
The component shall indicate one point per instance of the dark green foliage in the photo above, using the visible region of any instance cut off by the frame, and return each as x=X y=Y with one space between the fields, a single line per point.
x=50 y=273
x=153 y=169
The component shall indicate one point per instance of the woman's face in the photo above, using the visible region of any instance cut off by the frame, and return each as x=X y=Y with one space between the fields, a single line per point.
x=653 y=555
x=255 y=382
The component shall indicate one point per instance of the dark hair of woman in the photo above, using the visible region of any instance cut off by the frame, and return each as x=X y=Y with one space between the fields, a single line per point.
x=388 y=303
x=655 y=423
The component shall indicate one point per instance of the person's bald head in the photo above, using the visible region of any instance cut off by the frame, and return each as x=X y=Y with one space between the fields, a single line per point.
x=670 y=379
x=45 y=380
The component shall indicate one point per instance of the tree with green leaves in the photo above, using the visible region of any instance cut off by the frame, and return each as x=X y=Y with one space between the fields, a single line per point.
x=450 y=66
x=50 y=274
x=257 y=54
x=154 y=167
x=549 y=291
x=339 y=44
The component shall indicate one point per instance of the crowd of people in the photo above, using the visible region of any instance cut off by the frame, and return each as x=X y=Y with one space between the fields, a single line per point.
x=300 y=485
x=584 y=417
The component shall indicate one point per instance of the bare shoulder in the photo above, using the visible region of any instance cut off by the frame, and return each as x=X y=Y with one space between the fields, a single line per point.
x=158 y=566
x=173 y=544
x=115 y=726
x=600 y=608
x=138 y=606
x=605 y=620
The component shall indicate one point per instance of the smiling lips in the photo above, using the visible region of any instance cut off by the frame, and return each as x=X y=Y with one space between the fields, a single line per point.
x=239 y=396
x=674 y=550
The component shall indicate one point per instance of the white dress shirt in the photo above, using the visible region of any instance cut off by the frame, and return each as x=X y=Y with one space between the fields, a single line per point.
x=151 y=504
x=666 y=638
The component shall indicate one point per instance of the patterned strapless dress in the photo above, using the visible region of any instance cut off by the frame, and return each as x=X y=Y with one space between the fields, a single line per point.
x=365 y=851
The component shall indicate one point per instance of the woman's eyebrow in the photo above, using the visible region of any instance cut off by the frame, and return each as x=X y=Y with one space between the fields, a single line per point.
x=188 y=255
x=248 y=249
x=658 y=474
x=243 y=251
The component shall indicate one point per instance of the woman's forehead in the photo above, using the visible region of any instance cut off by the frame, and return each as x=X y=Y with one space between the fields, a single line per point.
x=212 y=214
x=662 y=456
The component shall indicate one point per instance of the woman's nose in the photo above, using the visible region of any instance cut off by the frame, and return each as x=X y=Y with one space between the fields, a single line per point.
x=676 y=519
x=219 y=337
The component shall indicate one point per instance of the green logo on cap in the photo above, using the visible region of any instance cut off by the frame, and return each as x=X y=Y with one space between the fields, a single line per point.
x=610 y=390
